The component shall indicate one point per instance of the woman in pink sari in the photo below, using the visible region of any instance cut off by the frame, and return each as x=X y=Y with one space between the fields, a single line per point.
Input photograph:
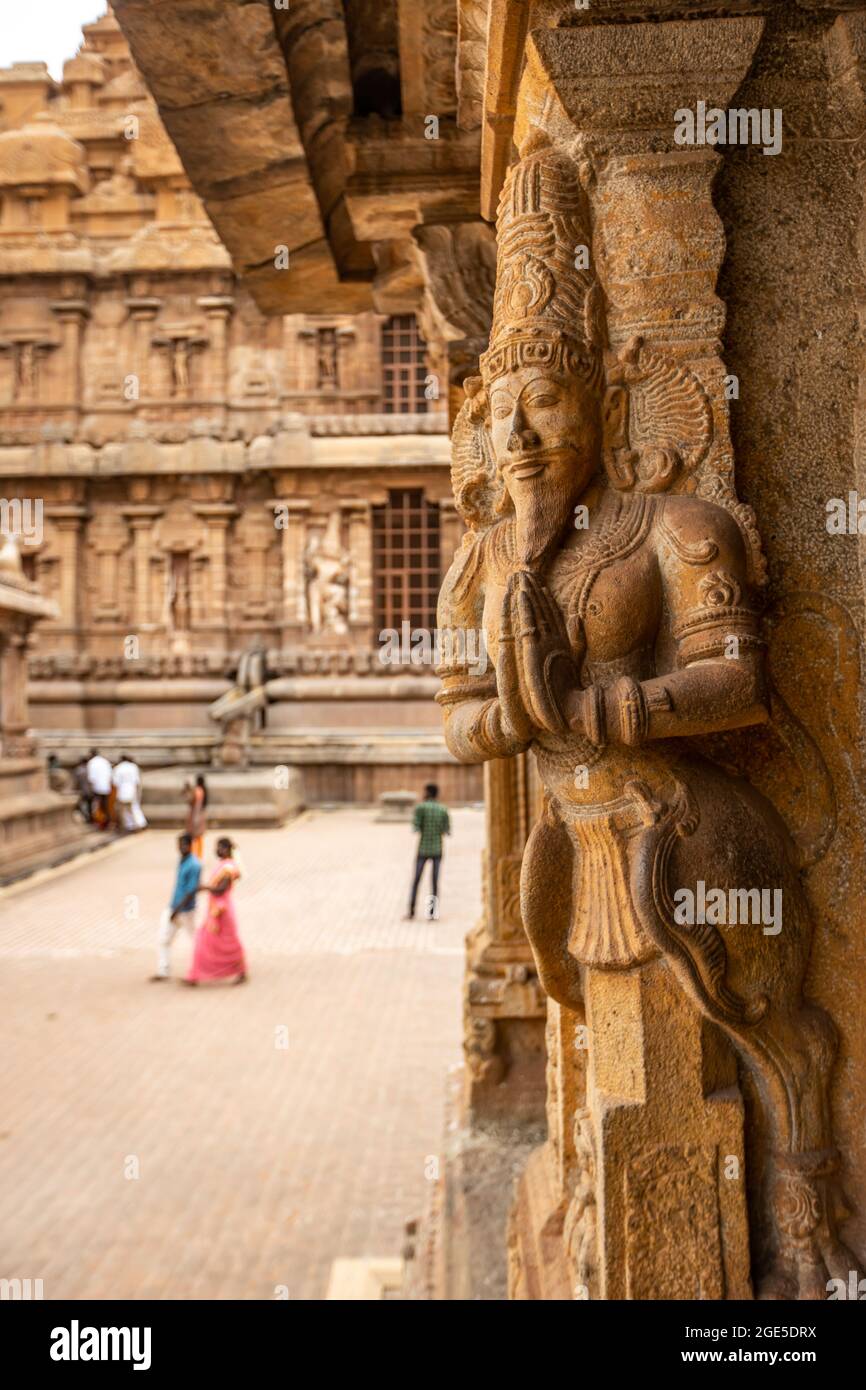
x=218 y=953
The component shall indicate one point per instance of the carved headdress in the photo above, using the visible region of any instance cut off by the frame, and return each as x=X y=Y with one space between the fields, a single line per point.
x=547 y=311
x=547 y=305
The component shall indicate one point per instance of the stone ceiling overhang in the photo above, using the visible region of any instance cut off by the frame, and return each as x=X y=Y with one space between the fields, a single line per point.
x=261 y=106
x=219 y=76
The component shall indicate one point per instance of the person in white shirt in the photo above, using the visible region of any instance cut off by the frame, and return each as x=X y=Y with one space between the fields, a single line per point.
x=99 y=780
x=127 y=780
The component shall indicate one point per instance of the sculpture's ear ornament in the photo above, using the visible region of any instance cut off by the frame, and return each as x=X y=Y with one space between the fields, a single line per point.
x=658 y=421
x=476 y=481
x=476 y=396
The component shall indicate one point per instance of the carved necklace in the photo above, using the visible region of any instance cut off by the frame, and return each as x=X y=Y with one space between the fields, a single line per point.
x=621 y=528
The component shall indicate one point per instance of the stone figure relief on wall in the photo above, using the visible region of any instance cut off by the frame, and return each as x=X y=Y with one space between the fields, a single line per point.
x=179 y=344
x=327 y=365
x=327 y=577
x=178 y=605
x=27 y=337
x=177 y=571
x=617 y=584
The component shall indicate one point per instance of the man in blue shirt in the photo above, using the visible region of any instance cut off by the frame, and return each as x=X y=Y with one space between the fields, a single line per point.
x=181 y=910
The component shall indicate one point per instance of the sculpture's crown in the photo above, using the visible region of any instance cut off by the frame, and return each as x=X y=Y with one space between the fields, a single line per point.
x=547 y=305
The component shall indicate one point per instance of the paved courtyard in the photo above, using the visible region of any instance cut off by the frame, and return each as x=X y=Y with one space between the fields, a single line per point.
x=162 y=1142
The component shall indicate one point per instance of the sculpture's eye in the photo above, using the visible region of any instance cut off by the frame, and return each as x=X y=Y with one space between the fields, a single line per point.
x=544 y=399
x=502 y=410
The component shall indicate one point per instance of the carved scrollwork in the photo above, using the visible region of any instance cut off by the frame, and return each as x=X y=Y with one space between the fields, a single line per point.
x=668 y=429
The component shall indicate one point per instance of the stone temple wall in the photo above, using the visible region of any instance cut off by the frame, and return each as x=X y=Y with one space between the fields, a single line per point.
x=205 y=476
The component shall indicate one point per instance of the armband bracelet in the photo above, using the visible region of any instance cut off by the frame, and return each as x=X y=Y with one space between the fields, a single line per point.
x=633 y=712
x=594 y=716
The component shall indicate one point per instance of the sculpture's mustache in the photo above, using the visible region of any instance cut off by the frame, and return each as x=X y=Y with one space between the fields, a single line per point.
x=530 y=462
x=527 y=467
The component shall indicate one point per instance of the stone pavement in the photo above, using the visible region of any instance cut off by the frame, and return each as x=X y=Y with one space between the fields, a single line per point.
x=258 y=1163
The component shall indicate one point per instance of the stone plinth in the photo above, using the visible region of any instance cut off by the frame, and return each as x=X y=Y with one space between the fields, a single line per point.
x=396 y=806
x=251 y=797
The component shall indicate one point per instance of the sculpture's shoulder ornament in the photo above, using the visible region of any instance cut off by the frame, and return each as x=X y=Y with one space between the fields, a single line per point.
x=482 y=557
x=703 y=558
x=693 y=535
x=694 y=531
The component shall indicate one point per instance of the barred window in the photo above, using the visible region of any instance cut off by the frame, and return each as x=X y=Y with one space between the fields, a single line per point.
x=406 y=565
x=403 y=366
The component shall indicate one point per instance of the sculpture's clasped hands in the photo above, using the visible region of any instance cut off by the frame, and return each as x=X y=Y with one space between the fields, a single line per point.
x=536 y=675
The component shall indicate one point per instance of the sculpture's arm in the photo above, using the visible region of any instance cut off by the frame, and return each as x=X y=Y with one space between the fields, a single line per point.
x=482 y=708
x=475 y=727
x=711 y=639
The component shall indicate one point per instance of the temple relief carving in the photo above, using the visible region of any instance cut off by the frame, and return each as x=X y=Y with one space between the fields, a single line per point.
x=617 y=578
x=327 y=574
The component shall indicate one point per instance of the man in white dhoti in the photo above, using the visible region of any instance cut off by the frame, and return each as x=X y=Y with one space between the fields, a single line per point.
x=127 y=780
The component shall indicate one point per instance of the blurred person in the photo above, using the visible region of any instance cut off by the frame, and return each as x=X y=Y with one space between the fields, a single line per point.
x=81 y=787
x=181 y=910
x=99 y=780
x=196 y=816
x=431 y=820
x=127 y=784
x=218 y=953
x=112 y=802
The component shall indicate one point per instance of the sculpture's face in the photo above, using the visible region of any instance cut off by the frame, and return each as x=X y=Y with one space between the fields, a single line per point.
x=546 y=435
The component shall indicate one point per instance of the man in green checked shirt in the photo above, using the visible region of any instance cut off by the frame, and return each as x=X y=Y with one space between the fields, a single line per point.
x=431 y=819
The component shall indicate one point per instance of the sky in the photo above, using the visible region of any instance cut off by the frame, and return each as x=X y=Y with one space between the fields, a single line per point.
x=46 y=31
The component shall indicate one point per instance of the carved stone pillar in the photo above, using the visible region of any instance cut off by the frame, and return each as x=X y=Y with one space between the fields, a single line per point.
x=698 y=1158
x=218 y=516
x=67 y=520
x=657 y=248
x=218 y=310
x=73 y=315
x=358 y=521
x=140 y=518
x=552 y=1227
x=291 y=517
x=504 y=1005
x=14 y=739
x=143 y=309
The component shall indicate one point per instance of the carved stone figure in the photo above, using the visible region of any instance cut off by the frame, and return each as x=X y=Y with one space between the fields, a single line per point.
x=327 y=571
x=621 y=617
x=241 y=710
x=327 y=363
x=178 y=600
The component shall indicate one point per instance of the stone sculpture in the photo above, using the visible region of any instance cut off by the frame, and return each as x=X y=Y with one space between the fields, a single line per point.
x=621 y=615
x=327 y=574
